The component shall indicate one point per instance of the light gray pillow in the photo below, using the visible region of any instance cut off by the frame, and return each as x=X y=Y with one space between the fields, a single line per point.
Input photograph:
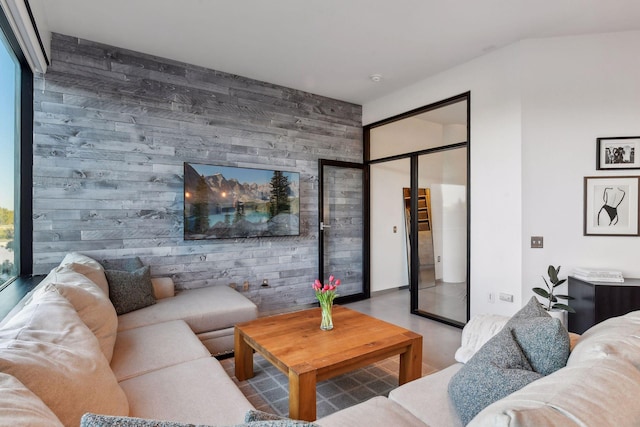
x=544 y=340
x=498 y=369
x=129 y=291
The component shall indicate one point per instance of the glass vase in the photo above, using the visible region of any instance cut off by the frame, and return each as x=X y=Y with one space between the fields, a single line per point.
x=326 y=323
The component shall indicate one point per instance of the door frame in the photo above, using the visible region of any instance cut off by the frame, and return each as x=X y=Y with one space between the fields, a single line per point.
x=365 y=224
x=414 y=279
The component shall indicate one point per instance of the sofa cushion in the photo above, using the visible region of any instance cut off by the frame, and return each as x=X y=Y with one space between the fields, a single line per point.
x=498 y=369
x=185 y=394
x=543 y=339
x=600 y=392
x=20 y=407
x=378 y=411
x=204 y=309
x=130 y=290
x=615 y=337
x=149 y=348
x=433 y=389
x=163 y=287
x=91 y=304
x=124 y=264
x=52 y=352
x=89 y=267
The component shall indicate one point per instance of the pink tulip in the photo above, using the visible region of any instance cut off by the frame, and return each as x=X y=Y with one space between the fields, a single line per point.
x=331 y=278
x=326 y=288
x=338 y=282
x=332 y=287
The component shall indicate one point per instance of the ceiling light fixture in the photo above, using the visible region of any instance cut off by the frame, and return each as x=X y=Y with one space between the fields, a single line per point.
x=376 y=78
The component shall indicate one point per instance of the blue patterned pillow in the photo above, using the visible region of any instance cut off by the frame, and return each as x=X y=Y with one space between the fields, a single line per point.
x=129 y=291
x=496 y=370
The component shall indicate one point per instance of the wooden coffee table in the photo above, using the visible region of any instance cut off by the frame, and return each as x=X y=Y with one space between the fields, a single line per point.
x=295 y=344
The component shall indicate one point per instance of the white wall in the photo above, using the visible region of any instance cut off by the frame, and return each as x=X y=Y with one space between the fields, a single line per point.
x=537 y=108
x=574 y=90
x=388 y=249
x=404 y=136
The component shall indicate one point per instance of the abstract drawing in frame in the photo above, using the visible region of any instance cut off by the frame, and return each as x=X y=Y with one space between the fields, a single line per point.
x=611 y=205
x=226 y=202
x=621 y=152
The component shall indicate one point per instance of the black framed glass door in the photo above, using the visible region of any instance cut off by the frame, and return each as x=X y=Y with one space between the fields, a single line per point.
x=341 y=227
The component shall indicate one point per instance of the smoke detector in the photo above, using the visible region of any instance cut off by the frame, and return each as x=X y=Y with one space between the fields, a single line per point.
x=376 y=78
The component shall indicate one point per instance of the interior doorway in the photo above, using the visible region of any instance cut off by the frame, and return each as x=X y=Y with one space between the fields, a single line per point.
x=418 y=181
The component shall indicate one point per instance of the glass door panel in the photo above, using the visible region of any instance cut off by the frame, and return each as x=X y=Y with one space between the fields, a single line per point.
x=442 y=289
x=341 y=226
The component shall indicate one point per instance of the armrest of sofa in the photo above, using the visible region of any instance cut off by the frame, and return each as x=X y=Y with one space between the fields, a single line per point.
x=163 y=287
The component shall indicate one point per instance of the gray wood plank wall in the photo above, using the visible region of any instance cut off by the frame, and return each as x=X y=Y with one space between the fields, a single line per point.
x=112 y=129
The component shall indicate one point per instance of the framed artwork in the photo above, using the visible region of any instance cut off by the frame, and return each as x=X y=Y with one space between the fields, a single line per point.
x=618 y=153
x=611 y=205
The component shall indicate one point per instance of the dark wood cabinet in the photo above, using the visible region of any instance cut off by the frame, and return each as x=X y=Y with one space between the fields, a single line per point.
x=598 y=301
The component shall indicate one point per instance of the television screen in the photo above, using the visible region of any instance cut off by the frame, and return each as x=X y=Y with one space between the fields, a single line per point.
x=226 y=202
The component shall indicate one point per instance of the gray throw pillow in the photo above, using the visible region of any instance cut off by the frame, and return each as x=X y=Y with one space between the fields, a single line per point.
x=130 y=291
x=256 y=418
x=543 y=339
x=498 y=369
x=124 y=264
x=252 y=419
x=531 y=309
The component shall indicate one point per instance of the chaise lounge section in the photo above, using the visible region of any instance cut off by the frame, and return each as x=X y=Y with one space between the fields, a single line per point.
x=65 y=352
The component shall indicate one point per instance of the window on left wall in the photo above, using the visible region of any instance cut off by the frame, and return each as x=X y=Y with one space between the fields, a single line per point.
x=16 y=127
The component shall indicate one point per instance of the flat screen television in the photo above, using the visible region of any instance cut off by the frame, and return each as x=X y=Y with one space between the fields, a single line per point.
x=227 y=202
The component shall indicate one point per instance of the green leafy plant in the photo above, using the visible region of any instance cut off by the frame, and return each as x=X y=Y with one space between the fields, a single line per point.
x=552 y=300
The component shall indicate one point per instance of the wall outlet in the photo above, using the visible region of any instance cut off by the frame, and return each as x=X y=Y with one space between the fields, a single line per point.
x=506 y=297
x=537 y=241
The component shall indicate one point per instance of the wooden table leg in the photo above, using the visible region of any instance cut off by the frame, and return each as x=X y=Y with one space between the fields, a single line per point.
x=302 y=393
x=243 y=355
x=411 y=361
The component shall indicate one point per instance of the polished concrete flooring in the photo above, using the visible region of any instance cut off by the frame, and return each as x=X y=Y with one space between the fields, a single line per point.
x=440 y=341
x=445 y=299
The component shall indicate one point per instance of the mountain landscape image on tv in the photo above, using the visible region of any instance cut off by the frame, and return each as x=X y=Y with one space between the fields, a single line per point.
x=226 y=202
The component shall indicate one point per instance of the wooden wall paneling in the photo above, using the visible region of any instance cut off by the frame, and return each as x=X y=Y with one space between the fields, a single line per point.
x=112 y=129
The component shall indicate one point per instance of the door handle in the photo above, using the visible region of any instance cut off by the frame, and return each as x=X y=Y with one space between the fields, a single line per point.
x=323 y=226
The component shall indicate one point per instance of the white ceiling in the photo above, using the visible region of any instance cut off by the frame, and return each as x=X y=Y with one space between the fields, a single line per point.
x=329 y=47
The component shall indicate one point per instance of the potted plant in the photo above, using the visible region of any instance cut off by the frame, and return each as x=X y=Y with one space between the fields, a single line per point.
x=552 y=303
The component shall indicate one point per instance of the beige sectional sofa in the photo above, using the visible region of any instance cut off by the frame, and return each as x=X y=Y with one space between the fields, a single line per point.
x=64 y=353
x=599 y=387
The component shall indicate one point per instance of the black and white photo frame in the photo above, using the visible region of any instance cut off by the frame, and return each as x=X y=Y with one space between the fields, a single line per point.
x=622 y=152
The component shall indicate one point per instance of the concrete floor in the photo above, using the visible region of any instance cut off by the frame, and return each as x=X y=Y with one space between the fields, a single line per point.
x=440 y=341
